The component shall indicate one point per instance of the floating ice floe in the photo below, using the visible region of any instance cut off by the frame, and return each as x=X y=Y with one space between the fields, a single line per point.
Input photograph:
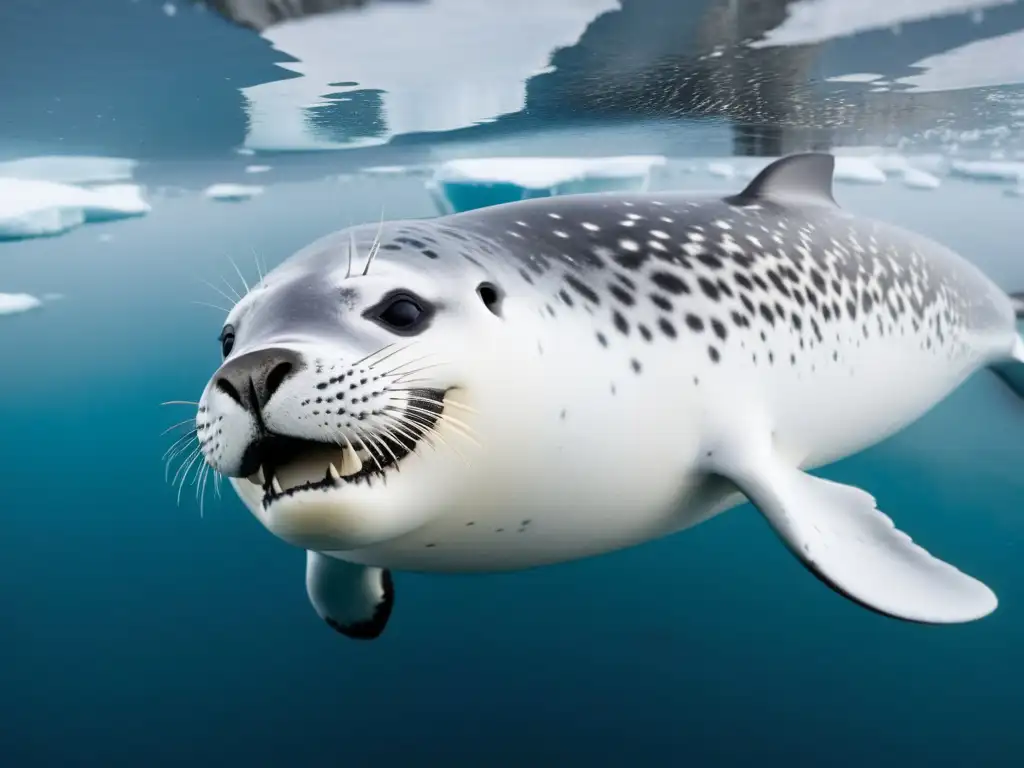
x=70 y=169
x=858 y=170
x=462 y=185
x=988 y=170
x=232 y=193
x=33 y=208
x=855 y=77
x=917 y=179
x=721 y=170
x=257 y=168
x=813 y=21
x=501 y=46
x=987 y=63
x=397 y=170
x=16 y=303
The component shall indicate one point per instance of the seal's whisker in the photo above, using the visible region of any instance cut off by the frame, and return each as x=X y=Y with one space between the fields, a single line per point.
x=211 y=305
x=380 y=445
x=188 y=468
x=195 y=475
x=404 y=380
x=362 y=437
x=180 y=424
x=376 y=243
x=240 y=275
x=179 y=438
x=422 y=422
x=381 y=360
x=405 y=362
x=398 y=372
x=193 y=452
x=179 y=402
x=400 y=377
x=219 y=291
x=170 y=459
x=352 y=250
x=259 y=269
x=175 y=450
x=362 y=360
x=432 y=414
x=458 y=428
x=429 y=401
x=414 y=420
x=200 y=484
x=390 y=435
x=231 y=288
x=178 y=441
x=409 y=434
x=207 y=472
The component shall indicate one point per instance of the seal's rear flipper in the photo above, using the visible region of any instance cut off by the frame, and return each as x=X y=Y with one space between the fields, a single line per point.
x=355 y=600
x=837 y=532
x=1012 y=371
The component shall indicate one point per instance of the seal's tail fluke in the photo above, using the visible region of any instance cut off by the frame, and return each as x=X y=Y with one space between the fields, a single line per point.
x=1011 y=371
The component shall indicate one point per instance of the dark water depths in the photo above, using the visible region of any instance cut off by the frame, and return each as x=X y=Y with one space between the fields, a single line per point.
x=137 y=633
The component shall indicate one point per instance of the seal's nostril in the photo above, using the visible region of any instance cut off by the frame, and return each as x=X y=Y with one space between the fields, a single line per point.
x=275 y=379
x=252 y=379
x=228 y=389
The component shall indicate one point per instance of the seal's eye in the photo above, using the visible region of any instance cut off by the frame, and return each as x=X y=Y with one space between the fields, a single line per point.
x=402 y=313
x=490 y=295
x=227 y=340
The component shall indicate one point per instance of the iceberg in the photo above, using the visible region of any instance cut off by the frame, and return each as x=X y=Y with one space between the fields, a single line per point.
x=16 y=303
x=70 y=169
x=33 y=208
x=232 y=193
x=257 y=168
x=467 y=184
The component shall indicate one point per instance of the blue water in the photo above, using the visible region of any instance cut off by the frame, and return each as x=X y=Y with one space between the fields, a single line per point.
x=137 y=632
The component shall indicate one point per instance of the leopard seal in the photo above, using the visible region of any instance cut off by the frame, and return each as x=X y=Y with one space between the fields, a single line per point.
x=558 y=378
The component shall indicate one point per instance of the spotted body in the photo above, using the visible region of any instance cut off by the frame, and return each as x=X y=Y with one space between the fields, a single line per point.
x=627 y=366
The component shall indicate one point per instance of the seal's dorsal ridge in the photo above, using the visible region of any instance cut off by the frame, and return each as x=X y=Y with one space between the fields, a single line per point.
x=805 y=178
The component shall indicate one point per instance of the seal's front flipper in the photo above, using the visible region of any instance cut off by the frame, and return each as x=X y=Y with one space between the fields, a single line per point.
x=356 y=600
x=839 y=534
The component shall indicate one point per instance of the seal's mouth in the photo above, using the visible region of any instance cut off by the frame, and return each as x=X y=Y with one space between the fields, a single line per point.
x=289 y=466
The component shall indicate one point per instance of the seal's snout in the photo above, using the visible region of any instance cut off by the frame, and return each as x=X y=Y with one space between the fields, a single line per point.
x=253 y=378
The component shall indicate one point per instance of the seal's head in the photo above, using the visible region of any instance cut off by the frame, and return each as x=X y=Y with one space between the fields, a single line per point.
x=340 y=411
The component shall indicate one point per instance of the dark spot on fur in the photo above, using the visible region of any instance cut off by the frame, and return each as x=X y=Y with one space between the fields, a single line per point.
x=669 y=282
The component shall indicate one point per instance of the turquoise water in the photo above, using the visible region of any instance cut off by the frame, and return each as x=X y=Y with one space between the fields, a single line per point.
x=138 y=632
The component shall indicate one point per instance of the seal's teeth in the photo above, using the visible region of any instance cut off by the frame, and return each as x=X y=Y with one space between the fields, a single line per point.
x=257 y=478
x=275 y=486
x=332 y=473
x=350 y=462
